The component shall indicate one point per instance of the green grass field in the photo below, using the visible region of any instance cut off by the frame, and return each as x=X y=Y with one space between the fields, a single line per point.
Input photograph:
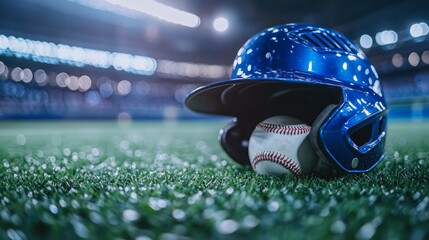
x=153 y=180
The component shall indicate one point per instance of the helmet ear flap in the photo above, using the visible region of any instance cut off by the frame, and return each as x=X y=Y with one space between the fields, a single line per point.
x=234 y=139
x=315 y=140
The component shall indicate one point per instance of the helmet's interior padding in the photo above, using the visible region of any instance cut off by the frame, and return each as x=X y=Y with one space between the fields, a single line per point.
x=234 y=139
x=315 y=140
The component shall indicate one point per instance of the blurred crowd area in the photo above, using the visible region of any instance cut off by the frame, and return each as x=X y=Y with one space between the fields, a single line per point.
x=39 y=92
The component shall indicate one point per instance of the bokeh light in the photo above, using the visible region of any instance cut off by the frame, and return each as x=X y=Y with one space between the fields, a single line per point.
x=124 y=87
x=84 y=83
x=220 y=24
x=41 y=77
x=414 y=59
x=397 y=60
x=73 y=83
x=365 y=41
x=386 y=37
x=16 y=74
x=419 y=30
x=61 y=79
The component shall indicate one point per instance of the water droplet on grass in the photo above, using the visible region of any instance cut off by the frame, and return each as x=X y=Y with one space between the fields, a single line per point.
x=273 y=206
x=396 y=155
x=95 y=152
x=250 y=221
x=129 y=215
x=229 y=191
x=179 y=195
x=62 y=203
x=133 y=197
x=157 y=204
x=250 y=203
x=80 y=229
x=416 y=195
x=74 y=203
x=324 y=212
x=227 y=226
x=338 y=227
x=423 y=204
x=95 y=218
x=367 y=231
x=209 y=201
x=66 y=152
x=15 y=234
x=178 y=214
x=53 y=209
x=372 y=199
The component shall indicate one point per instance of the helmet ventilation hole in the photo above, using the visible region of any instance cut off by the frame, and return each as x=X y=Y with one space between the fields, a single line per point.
x=362 y=135
x=324 y=40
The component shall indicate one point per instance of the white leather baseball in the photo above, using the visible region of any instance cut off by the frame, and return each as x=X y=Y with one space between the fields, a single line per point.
x=281 y=145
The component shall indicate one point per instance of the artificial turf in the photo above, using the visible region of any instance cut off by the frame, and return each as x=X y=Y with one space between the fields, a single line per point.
x=166 y=180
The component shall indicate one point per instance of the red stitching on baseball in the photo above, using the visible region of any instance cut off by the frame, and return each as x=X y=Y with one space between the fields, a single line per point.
x=278 y=158
x=283 y=129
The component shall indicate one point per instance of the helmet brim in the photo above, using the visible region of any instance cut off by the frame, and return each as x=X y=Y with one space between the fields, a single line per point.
x=226 y=97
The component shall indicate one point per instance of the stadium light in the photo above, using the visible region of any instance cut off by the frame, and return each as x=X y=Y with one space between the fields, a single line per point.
x=365 y=41
x=419 y=30
x=386 y=37
x=51 y=53
x=220 y=24
x=47 y=52
x=160 y=11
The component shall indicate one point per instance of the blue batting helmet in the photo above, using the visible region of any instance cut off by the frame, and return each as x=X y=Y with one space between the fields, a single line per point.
x=310 y=73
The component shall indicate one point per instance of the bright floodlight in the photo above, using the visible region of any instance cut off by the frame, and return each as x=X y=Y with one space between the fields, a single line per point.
x=48 y=52
x=159 y=10
x=419 y=30
x=365 y=41
x=220 y=24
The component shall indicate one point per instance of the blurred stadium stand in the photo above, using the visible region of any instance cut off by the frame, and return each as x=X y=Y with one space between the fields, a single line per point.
x=71 y=59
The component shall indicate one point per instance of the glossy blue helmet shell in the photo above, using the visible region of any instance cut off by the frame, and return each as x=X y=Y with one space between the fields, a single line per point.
x=302 y=62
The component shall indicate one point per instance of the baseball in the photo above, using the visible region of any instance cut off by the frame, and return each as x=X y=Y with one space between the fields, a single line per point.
x=281 y=145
